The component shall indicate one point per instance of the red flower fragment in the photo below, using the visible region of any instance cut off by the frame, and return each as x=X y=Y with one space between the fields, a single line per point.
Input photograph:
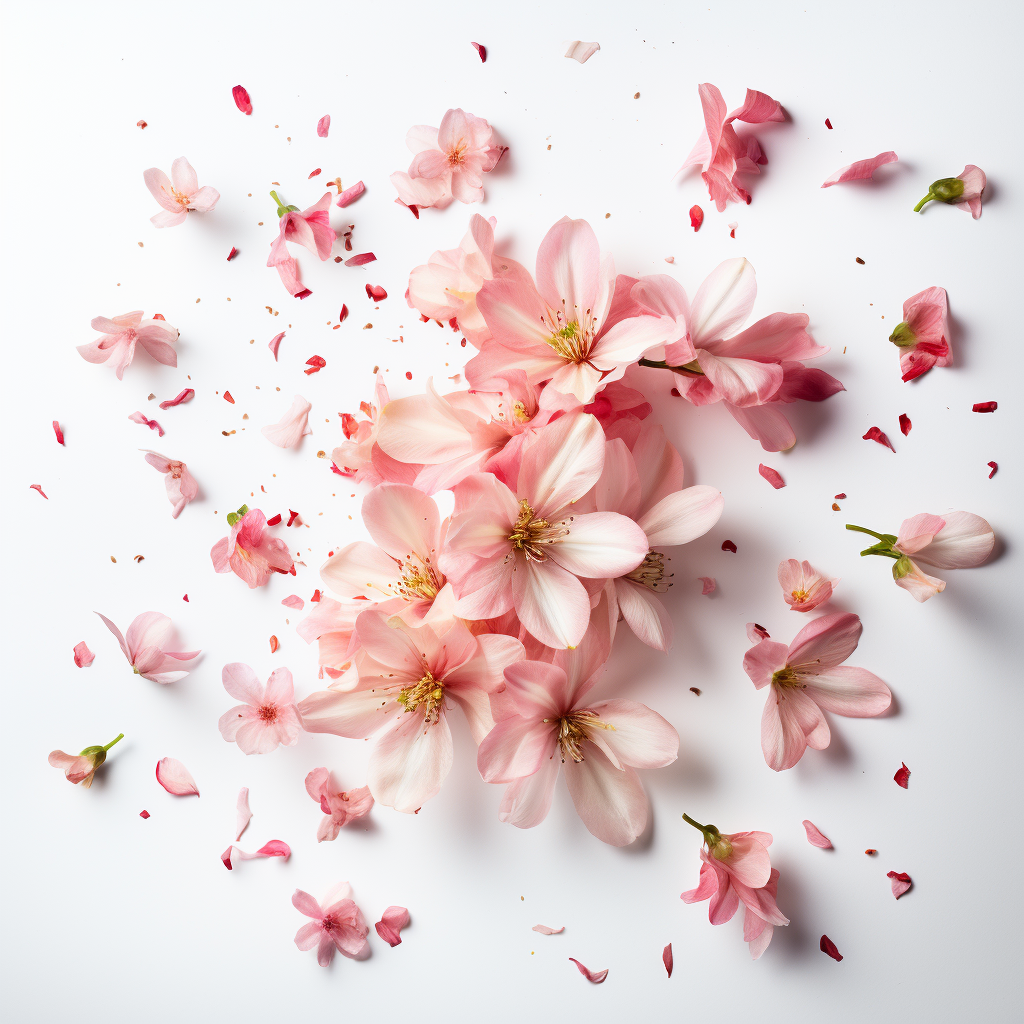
x=828 y=124
x=83 y=656
x=274 y=520
x=315 y=364
x=842 y=494
x=228 y=398
x=874 y=434
x=292 y=517
x=232 y=254
x=323 y=126
x=666 y=958
x=994 y=466
x=413 y=209
x=362 y=258
x=985 y=407
x=593 y=976
x=696 y=217
x=828 y=946
x=39 y=488
x=343 y=315
x=481 y=51
x=727 y=545
x=273 y=643
x=902 y=776
x=351 y=194
x=185 y=396
x=773 y=476
x=143 y=814
x=242 y=100
x=58 y=432
x=313 y=174
x=375 y=292
x=900 y=882
x=905 y=423
x=275 y=343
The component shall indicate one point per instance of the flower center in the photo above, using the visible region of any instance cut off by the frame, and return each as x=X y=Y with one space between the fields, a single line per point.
x=457 y=154
x=800 y=596
x=786 y=677
x=574 y=731
x=420 y=579
x=651 y=573
x=267 y=713
x=328 y=924
x=520 y=412
x=530 y=534
x=572 y=339
x=180 y=198
x=428 y=693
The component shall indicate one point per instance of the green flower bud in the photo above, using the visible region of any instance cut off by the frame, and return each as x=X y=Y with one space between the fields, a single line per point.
x=233 y=517
x=903 y=336
x=903 y=566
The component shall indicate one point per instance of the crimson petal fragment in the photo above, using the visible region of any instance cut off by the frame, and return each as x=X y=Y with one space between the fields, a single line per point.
x=814 y=836
x=546 y=930
x=58 y=432
x=241 y=97
x=994 y=466
x=985 y=407
x=593 y=976
x=900 y=882
x=481 y=51
x=874 y=434
x=773 y=476
x=275 y=848
x=666 y=958
x=179 y=399
x=175 y=777
x=828 y=946
x=728 y=545
x=392 y=921
x=83 y=656
x=905 y=423
x=232 y=254
x=902 y=776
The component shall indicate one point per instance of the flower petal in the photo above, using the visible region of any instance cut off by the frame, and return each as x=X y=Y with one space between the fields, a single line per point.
x=175 y=777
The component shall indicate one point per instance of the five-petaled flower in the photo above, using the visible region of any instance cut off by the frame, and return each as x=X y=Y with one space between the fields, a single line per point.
x=267 y=717
x=179 y=196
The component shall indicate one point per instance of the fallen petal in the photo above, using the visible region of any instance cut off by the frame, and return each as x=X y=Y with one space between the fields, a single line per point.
x=243 y=814
x=376 y=292
x=350 y=195
x=860 y=169
x=138 y=417
x=727 y=545
x=815 y=838
x=994 y=466
x=242 y=100
x=275 y=344
x=773 y=476
x=708 y=585
x=874 y=434
x=900 y=882
x=232 y=254
x=985 y=407
x=275 y=848
x=756 y=633
x=358 y=261
x=546 y=930
x=392 y=921
x=595 y=976
x=582 y=52
x=175 y=777
x=902 y=776
x=828 y=946
x=58 y=432
x=293 y=601
x=323 y=126
x=83 y=656
x=666 y=958
x=905 y=423
x=144 y=814
x=39 y=488
x=481 y=51
x=696 y=217
x=185 y=396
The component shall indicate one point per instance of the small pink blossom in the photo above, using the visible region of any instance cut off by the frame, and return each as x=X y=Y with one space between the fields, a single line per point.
x=292 y=426
x=964 y=191
x=804 y=588
x=249 y=552
x=337 y=923
x=83 y=656
x=123 y=333
x=267 y=716
x=391 y=923
x=144 y=648
x=80 y=768
x=808 y=678
x=310 y=228
x=923 y=336
x=340 y=807
x=179 y=196
x=860 y=169
x=181 y=485
x=958 y=540
x=175 y=777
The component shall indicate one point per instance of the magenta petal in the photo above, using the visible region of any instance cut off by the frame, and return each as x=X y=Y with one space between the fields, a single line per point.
x=392 y=921
x=815 y=838
x=902 y=776
x=175 y=777
x=773 y=476
x=275 y=848
x=594 y=976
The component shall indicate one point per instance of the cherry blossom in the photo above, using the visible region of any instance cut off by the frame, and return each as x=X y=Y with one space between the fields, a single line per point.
x=337 y=924
x=803 y=587
x=80 y=768
x=179 y=196
x=144 y=647
x=123 y=333
x=267 y=717
x=923 y=336
x=340 y=807
x=248 y=551
x=181 y=485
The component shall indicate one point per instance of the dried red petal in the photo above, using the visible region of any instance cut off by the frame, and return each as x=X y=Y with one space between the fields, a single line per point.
x=828 y=946
x=232 y=254
x=274 y=520
x=773 y=476
x=228 y=398
x=481 y=51
x=360 y=260
x=666 y=958
x=38 y=487
x=727 y=545
x=185 y=396
x=185 y=599
x=871 y=852
x=349 y=424
x=313 y=174
x=143 y=814
x=376 y=293
x=58 y=432
x=994 y=466
x=315 y=364
x=874 y=434
x=693 y=689
x=905 y=423
x=140 y=124
x=901 y=882
x=292 y=516
x=593 y=976
x=323 y=126
x=708 y=585
x=902 y=776
x=413 y=209
x=842 y=494
x=315 y=597
x=985 y=407
x=343 y=315
x=351 y=194
x=828 y=124
x=242 y=100
x=159 y=316
x=273 y=644
x=696 y=217
x=275 y=344
x=83 y=656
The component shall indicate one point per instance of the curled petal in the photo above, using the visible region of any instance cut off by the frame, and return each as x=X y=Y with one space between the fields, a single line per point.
x=275 y=848
x=243 y=815
x=593 y=976
x=546 y=930
x=83 y=656
x=581 y=51
x=901 y=882
x=291 y=428
x=392 y=921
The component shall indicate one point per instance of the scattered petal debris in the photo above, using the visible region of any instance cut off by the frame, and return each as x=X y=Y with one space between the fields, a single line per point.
x=481 y=51
x=39 y=488
x=828 y=124
x=83 y=656
x=315 y=364
x=666 y=958
x=242 y=813
x=900 y=882
x=275 y=848
x=994 y=466
x=362 y=258
x=323 y=126
x=582 y=52
x=144 y=814
x=294 y=601
x=902 y=776
x=232 y=254
x=814 y=836
x=727 y=545
x=756 y=633
x=175 y=777
x=140 y=124
x=350 y=195
x=547 y=930
x=228 y=398
x=391 y=922
x=733 y=225
x=696 y=217
x=292 y=516
x=593 y=976
x=242 y=100
x=773 y=476
x=376 y=292
x=870 y=851
x=138 y=417
x=274 y=520
x=313 y=173
x=874 y=434
x=275 y=343
x=708 y=585
x=985 y=407
x=273 y=644
x=343 y=315
x=58 y=432
x=180 y=399
x=905 y=423
x=828 y=946
x=860 y=169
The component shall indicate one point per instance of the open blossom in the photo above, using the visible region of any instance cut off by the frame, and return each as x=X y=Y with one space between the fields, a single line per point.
x=803 y=587
x=249 y=551
x=144 y=648
x=292 y=426
x=181 y=485
x=964 y=191
x=958 y=540
x=807 y=678
x=337 y=924
x=923 y=336
x=736 y=868
x=180 y=195
x=599 y=745
x=267 y=717
x=723 y=155
x=123 y=333
x=80 y=768
x=311 y=228
x=528 y=548
x=448 y=161
x=333 y=625
x=340 y=808
x=574 y=328
x=409 y=679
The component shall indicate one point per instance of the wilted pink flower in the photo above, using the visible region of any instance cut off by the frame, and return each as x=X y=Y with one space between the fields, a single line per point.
x=808 y=678
x=337 y=924
x=449 y=161
x=340 y=808
x=268 y=716
x=860 y=169
x=391 y=923
x=958 y=540
x=964 y=191
x=736 y=868
x=248 y=551
x=179 y=196
x=144 y=648
x=311 y=228
x=123 y=333
x=720 y=153
x=804 y=588
x=181 y=485
x=292 y=426
x=923 y=336
x=80 y=768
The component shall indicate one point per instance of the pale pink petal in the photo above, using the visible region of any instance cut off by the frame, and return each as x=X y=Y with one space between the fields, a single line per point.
x=791 y=722
x=403 y=521
x=578 y=50
x=638 y=737
x=826 y=642
x=763 y=659
x=814 y=836
x=610 y=801
x=917 y=532
x=275 y=848
x=600 y=545
x=708 y=585
x=83 y=656
x=965 y=541
x=852 y=692
x=749 y=862
x=683 y=516
x=289 y=430
x=526 y=802
x=860 y=169
x=515 y=748
x=120 y=639
x=391 y=922
x=544 y=929
x=160 y=186
x=242 y=683
x=293 y=601
x=561 y=462
x=723 y=302
x=919 y=584
x=175 y=777
x=766 y=424
x=551 y=602
x=593 y=976
x=243 y=815
x=645 y=614
x=741 y=382
x=409 y=762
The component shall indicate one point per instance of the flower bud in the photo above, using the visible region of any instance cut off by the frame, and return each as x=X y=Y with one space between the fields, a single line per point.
x=903 y=336
x=947 y=190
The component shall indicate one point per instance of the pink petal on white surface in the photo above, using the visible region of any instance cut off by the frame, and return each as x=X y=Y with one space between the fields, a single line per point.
x=860 y=169
x=183 y=396
x=293 y=601
x=175 y=777
x=293 y=425
x=902 y=776
x=243 y=814
x=83 y=656
x=815 y=838
x=241 y=97
x=594 y=976
x=392 y=921
x=323 y=126
x=756 y=633
x=666 y=958
x=773 y=476
x=350 y=195
x=275 y=344
x=708 y=584
x=275 y=848
x=481 y=51
x=546 y=930
x=582 y=52
x=901 y=882
x=138 y=417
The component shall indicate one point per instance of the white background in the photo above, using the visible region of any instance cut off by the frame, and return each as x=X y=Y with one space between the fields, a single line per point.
x=108 y=917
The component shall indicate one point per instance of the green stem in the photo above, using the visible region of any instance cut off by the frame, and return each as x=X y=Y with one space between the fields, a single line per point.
x=695 y=824
x=120 y=736
x=927 y=199
x=864 y=529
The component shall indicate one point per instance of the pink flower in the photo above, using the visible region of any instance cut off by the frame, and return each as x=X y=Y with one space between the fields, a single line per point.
x=267 y=717
x=180 y=196
x=337 y=924
x=923 y=336
x=860 y=169
x=528 y=548
x=721 y=153
x=964 y=191
x=80 y=768
x=292 y=426
x=808 y=678
x=123 y=333
x=311 y=228
x=340 y=808
x=449 y=161
x=408 y=677
x=333 y=625
x=736 y=868
x=599 y=745
x=144 y=648
x=960 y=540
x=575 y=327
x=804 y=588
x=248 y=551
x=181 y=485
